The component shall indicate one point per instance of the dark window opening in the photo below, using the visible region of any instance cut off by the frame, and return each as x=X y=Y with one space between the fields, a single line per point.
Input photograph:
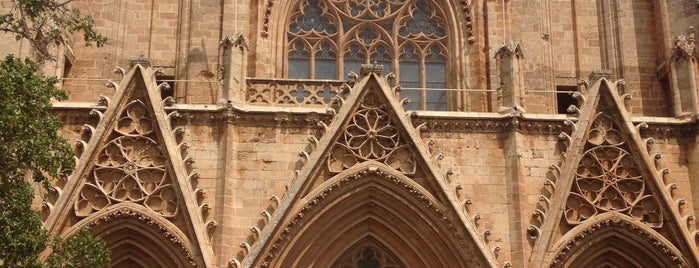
x=564 y=98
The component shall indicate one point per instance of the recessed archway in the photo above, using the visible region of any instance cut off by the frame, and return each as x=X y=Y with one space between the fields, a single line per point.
x=615 y=240
x=391 y=209
x=138 y=239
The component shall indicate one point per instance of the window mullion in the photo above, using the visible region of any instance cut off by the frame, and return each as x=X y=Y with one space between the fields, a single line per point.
x=423 y=83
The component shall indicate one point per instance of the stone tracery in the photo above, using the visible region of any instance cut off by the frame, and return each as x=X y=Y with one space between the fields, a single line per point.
x=326 y=39
x=130 y=168
x=608 y=179
x=371 y=135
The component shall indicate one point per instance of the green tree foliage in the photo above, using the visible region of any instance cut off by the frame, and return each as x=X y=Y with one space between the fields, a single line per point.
x=78 y=251
x=30 y=147
x=43 y=22
x=29 y=144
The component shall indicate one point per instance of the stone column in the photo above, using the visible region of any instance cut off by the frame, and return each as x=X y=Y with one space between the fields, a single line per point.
x=685 y=74
x=234 y=56
x=508 y=61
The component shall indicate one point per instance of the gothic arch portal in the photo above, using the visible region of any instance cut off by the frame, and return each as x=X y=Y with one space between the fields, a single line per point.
x=370 y=200
x=615 y=240
x=369 y=252
x=136 y=238
x=369 y=176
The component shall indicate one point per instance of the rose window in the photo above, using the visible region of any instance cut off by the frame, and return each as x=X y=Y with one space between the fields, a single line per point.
x=608 y=179
x=371 y=135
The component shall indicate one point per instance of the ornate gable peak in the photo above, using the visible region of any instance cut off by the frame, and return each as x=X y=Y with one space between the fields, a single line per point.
x=134 y=156
x=607 y=169
x=370 y=128
x=684 y=46
x=508 y=49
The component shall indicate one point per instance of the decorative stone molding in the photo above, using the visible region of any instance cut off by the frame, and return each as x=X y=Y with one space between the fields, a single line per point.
x=129 y=213
x=346 y=179
x=606 y=170
x=368 y=137
x=608 y=179
x=468 y=16
x=684 y=46
x=135 y=156
x=139 y=60
x=268 y=14
x=685 y=74
x=575 y=244
x=371 y=135
x=130 y=168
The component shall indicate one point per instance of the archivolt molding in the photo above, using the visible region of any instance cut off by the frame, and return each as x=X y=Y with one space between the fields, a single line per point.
x=579 y=240
x=164 y=228
x=343 y=182
x=368 y=253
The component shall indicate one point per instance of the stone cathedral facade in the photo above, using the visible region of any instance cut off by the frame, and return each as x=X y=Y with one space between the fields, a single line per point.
x=383 y=133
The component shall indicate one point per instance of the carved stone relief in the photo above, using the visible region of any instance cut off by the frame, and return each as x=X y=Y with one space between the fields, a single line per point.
x=685 y=45
x=371 y=135
x=130 y=168
x=608 y=179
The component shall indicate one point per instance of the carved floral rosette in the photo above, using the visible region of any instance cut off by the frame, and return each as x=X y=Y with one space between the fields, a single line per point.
x=608 y=179
x=371 y=135
x=130 y=168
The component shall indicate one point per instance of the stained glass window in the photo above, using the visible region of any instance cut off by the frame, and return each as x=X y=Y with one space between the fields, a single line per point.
x=328 y=39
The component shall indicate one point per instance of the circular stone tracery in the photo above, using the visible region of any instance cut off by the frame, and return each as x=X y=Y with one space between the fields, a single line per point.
x=130 y=168
x=608 y=179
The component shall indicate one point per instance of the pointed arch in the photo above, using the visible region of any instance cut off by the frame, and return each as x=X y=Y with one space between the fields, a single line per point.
x=616 y=240
x=368 y=251
x=373 y=141
x=135 y=235
x=458 y=69
x=370 y=200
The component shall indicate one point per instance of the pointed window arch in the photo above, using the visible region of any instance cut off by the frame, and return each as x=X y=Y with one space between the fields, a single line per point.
x=328 y=39
x=368 y=253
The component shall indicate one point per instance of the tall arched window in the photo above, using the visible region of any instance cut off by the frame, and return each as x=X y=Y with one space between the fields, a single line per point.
x=328 y=39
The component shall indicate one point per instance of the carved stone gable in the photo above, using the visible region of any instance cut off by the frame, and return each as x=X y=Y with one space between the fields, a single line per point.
x=130 y=167
x=369 y=173
x=371 y=135
x=609 y=179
